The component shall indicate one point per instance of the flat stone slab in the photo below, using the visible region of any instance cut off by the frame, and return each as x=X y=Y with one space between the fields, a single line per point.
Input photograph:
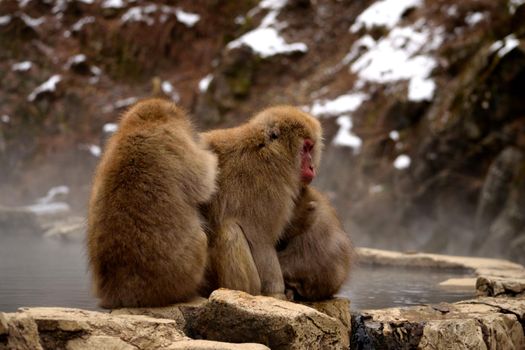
x=338 y=308
x=483 y=323
x=256 y=318
x=234 y=316
x=19 y=220
x=460 y=282
x=495 y=276
x=214 y=345
x=183 y=314
x=392 y=258
x=497 y=286
x=75 y=329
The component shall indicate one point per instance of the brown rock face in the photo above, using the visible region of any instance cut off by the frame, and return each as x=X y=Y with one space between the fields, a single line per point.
x=234 y=316
x=55 y=328
x=230 y=318
x=485 y=323
x=74 y=329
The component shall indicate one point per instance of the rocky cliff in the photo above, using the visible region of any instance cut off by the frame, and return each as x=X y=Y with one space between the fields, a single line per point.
x=421 y=100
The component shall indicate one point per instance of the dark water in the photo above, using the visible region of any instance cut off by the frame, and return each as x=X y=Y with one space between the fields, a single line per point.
x=38 y=271
x=374 y=287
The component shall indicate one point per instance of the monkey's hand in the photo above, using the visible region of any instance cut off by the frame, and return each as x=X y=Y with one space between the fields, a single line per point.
x=312 y=205
x=289 y=293
x=280 y=296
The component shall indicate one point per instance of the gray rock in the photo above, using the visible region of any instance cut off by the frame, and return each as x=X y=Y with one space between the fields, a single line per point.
x=496 y=186
x=452 y=334
x=23 y=334
x=506 y=305
x=4 y=327
x=99 y=342
x=69 y=228
x=484 y=323
x=75 y=329
x=214 y=345
x=234 y=316
x=18 y=220
x=497 y=286
x=478 y=266
x=338 y=308
x=184 y=314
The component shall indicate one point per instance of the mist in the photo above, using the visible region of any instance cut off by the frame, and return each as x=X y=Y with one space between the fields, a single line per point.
x=421 y=103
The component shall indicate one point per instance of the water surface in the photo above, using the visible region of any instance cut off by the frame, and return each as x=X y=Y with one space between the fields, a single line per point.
x=39 y=271
x=374 y=287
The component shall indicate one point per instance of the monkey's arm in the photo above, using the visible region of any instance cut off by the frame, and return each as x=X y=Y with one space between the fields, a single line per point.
x=267 y=262
x=232 y=260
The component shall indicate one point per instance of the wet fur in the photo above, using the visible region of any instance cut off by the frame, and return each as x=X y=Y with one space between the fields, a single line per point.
x=146 y=245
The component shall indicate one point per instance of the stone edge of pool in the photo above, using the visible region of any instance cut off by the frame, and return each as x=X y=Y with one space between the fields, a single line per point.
x=236 y=320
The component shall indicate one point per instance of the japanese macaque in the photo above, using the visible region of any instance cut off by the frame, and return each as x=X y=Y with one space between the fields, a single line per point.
x=145 y=240
x=263 y=165
x=315 y=253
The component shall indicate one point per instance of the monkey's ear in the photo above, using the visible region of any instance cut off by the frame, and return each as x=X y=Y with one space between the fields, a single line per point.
x=274 y=134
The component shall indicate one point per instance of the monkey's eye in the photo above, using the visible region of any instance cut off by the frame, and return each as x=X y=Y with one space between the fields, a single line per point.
x=274 y=135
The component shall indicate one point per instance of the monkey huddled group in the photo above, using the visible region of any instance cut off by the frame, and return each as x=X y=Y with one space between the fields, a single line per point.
x=174 y=214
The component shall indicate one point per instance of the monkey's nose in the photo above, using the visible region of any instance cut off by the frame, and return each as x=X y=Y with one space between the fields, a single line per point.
x=308 y=144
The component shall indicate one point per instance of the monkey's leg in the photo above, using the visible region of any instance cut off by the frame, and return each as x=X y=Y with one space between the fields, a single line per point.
x=267 y=262
x=233 y=260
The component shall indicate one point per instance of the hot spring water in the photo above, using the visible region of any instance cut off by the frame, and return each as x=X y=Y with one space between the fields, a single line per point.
x=39 y=271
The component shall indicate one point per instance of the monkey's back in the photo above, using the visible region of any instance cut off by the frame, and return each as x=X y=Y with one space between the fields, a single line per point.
x=145 y=243
x=317 y=262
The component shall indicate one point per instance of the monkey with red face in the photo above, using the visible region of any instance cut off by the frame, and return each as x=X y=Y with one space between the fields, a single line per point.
x=263 y=165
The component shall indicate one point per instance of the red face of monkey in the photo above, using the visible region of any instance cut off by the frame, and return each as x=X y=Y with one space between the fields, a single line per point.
x=288 y=132
x=307 y=168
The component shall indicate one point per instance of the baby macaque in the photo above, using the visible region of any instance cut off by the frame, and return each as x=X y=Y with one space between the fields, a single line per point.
x=315 y=253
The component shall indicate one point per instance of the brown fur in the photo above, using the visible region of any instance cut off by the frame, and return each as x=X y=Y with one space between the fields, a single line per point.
x=259 y=179
x=145 y=242
x=317 y=253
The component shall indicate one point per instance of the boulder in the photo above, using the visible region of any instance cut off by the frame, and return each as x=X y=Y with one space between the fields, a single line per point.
x=52 y=219
x=478 y=266
x=338 y=308
x=3 y=324
x=452 y=334
x=506 y=305
x=69 y=228
x=497 y=286
x=75 y=329
x=18 y=220
x=235 y=316
x=494 y=323
x=183 y=314
x=214 y=345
